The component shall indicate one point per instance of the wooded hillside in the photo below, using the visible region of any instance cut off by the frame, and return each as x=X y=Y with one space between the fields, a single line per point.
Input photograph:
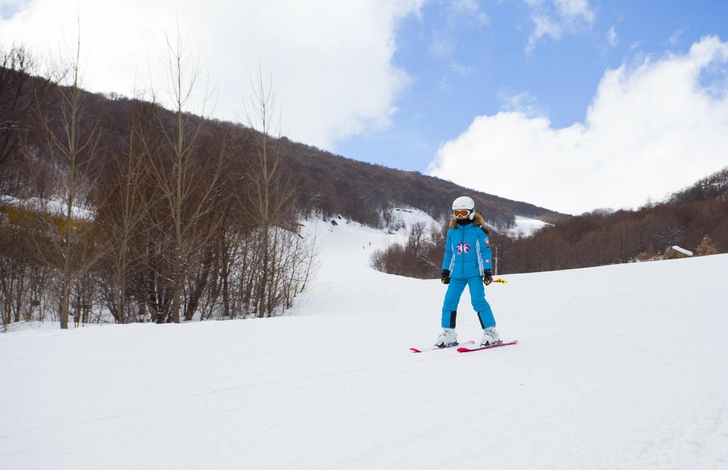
x=118 y=205
x=695 y=219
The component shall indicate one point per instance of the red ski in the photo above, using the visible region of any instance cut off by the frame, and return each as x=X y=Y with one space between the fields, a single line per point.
x=435 y=348
x=480 y=348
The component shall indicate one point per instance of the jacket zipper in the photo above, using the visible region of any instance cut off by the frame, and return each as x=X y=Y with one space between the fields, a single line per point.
x=462 y=244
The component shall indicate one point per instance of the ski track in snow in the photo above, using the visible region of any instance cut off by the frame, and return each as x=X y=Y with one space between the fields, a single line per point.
x=617 y=367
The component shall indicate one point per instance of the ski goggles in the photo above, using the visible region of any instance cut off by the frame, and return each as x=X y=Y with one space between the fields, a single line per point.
x=461 y=213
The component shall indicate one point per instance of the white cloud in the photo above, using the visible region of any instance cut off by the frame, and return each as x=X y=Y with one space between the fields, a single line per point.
x=675 y=38
x=543 y=26
x=461 y=70
x=443 y=45
x=330 y=61
x=612 y=38
x=8 y=8
x=650 y=130
x=522 y=103
x=466 y=13
x=575 y=10
x=460 y=15
x=555 y=17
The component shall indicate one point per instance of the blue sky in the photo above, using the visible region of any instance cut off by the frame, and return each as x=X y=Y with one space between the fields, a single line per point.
x=560 y=75
x=573 y=105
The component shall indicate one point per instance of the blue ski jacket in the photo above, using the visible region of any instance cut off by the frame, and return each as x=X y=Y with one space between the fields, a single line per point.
x=467 y=249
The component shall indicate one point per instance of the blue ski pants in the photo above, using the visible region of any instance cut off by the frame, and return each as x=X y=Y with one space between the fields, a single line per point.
x=477 y=297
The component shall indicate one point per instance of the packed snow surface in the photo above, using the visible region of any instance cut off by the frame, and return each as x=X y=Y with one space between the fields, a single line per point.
x=617 y=367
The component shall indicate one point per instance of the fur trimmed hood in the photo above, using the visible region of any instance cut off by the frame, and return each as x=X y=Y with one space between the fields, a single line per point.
x=477 y=221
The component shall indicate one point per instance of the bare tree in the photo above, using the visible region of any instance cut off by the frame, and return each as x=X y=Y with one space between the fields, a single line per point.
x=271 y=195
x=127 y=207
x=188 y=175
x=71 y=137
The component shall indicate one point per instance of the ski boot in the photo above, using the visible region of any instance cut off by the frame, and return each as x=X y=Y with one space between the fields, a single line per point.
x=490 y=337
x=447 y=338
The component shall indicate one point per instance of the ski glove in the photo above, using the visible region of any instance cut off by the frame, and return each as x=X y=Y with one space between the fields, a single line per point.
x=445 y=278
x=487 y=277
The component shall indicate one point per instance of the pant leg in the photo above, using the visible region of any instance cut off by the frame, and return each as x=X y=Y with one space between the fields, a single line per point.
x=480 y=305
x=452 y=299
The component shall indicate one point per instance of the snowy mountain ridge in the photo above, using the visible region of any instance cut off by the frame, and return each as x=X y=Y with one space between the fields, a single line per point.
x=617 y=367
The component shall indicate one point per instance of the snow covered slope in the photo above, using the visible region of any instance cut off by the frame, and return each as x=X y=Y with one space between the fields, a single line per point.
x=619 y=367
x=525 y=227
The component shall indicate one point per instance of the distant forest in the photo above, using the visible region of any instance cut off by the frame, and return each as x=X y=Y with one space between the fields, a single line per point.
x=695 y=219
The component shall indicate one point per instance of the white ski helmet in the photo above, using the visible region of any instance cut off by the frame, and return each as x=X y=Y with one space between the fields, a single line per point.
x=464 y=203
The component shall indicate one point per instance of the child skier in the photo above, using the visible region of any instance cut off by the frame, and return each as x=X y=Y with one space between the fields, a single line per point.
x=467 y=262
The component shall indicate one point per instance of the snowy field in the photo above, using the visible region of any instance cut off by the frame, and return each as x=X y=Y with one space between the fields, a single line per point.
x=618 y=367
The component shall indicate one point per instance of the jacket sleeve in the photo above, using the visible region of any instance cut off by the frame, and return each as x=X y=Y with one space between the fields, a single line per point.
x=446 y=262
x=486 y=254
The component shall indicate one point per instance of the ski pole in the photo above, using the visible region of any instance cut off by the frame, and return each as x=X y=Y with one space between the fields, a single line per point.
x=499 y=279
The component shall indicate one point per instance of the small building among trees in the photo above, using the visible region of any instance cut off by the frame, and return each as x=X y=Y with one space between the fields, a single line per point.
x=675 y=252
